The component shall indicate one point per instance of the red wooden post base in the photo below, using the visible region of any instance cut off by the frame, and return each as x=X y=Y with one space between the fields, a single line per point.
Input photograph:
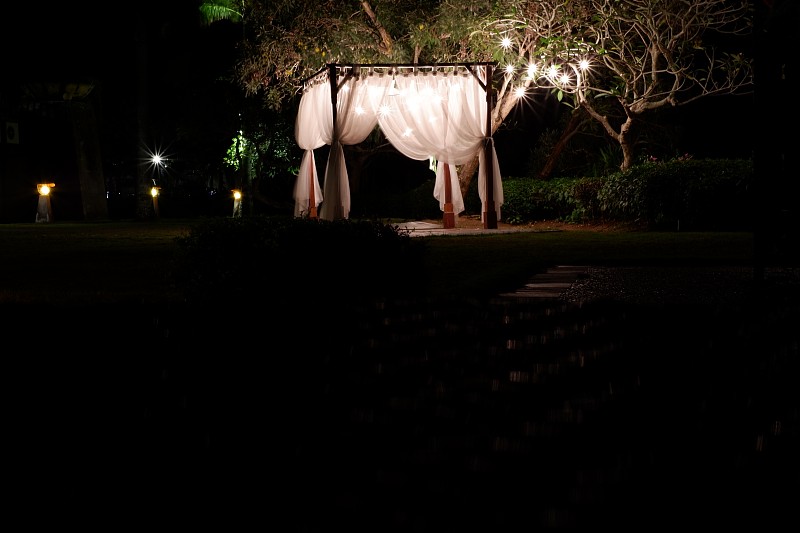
x=490 y=220
x=449 y=218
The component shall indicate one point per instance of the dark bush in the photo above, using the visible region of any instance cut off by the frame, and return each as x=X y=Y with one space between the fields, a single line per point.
x=295 y=259
x=421 y=202
x=416 y=203
x=569 y=199
x=682 y=195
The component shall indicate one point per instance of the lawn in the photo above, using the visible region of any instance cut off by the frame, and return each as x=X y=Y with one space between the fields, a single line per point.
x=103 y=262
x=124 y=397
x=126 y=261
x=496 y=263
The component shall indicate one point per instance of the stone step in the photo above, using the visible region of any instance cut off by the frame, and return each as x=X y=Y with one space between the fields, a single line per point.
x=550 y=284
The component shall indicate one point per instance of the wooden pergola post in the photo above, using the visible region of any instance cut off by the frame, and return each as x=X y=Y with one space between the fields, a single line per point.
x=312 y=197
x=449 y=217
x=490 y=215
x=336 y=198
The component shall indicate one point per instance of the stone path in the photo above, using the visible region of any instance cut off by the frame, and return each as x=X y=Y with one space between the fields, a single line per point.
x=419 y=228
x=550 y=284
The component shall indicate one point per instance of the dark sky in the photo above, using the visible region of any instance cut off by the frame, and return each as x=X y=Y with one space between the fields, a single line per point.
x=186 y=63
x=80 y=39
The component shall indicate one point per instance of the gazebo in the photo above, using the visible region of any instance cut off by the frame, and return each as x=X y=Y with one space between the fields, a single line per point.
x=439 y=112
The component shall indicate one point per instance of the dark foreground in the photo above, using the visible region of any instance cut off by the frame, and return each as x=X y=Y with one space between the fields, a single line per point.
x=469 y=415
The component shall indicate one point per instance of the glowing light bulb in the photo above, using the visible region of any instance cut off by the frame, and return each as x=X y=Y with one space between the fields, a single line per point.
x=385 y=110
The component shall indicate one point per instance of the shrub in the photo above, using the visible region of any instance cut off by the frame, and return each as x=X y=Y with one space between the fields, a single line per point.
x=295 y=259
x=569 y=199
x=416 y=203
x=681 y=194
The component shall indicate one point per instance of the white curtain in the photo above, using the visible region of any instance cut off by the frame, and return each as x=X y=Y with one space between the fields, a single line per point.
x=431 y=115
x=455 y=189
x=497 y=190
x=314 y=111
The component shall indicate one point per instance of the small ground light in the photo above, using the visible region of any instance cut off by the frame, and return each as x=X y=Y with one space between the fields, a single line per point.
x=154 y=192
x=44 y=212
x=237 y=203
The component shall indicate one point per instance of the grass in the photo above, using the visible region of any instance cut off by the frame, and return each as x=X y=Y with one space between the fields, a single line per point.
x=79 y=263
x=131 y=262
x=496 y=263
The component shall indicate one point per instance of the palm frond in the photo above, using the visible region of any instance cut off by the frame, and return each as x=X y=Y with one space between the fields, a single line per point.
x=220 y=10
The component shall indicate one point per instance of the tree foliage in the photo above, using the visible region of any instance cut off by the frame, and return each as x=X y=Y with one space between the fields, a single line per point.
x=642 y=54
x=653 y=54
x=222 y=10
x=290 y=40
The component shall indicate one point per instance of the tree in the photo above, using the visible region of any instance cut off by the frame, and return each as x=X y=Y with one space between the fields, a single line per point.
x=615 y=59
x=240 y=153
x=654 y=54
x=144 y=201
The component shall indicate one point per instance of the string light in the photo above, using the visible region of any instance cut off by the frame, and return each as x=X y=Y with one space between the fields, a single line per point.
x=567 y=74
x=385 y=110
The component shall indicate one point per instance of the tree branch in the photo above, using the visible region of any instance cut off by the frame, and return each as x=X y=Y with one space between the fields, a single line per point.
x=387 y=43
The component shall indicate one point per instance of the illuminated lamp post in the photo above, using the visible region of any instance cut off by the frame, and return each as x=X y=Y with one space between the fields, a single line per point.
x=44 y=212
x=237 y=203
x=158 y=164
x=154 y=192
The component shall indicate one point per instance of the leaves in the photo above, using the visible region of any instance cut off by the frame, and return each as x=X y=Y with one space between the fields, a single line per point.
x=221 y=10
x=641 y=50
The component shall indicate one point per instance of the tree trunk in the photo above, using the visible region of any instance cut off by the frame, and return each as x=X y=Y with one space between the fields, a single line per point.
x=625 y=137
x=626 y=141
x=90 y=163
x=576 y=120
x=144 y=201
x=465 y=175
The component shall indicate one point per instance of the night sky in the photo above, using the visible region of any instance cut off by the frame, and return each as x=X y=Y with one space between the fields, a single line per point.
x=77 y=39
x=187 y=63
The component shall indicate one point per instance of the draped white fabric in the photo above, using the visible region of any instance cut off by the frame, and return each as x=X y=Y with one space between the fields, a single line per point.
x=497 y=190
x=439 y=115
x=309 y=136
x=455 y=189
